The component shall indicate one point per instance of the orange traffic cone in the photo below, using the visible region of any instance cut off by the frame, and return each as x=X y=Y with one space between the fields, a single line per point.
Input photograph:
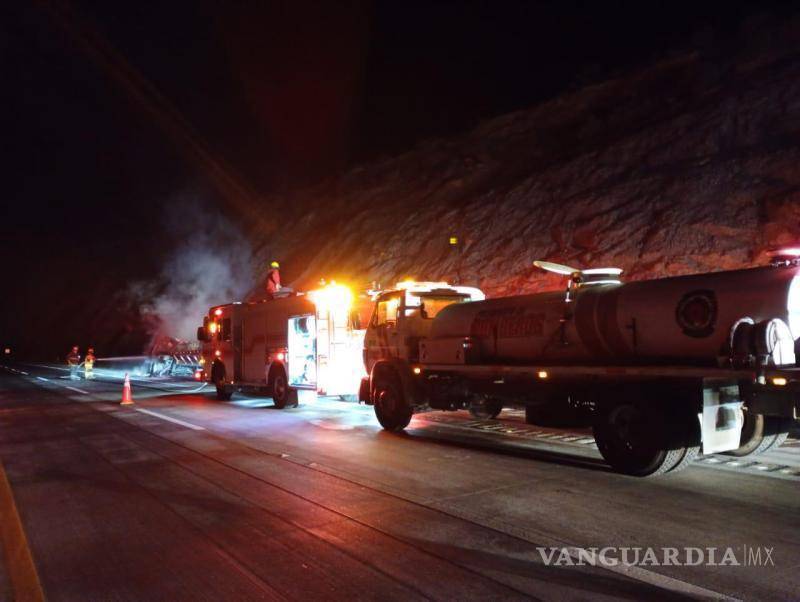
x=127 y=398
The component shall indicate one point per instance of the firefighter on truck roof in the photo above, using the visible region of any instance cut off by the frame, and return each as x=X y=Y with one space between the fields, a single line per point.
x=273 y=279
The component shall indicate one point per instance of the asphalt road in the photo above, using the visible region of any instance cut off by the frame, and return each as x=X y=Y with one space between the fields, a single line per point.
x=182 y=497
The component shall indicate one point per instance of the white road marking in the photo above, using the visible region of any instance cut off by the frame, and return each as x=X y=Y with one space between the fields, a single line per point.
x=76 y=390
x=170 y=419
x=42 y=378
x=660 y=581
x=22 y=372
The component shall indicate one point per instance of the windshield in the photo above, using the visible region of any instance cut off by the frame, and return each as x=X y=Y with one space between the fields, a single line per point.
x=430 y=305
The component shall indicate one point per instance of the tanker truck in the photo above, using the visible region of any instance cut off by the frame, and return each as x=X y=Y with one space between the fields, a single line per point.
x=662 y=370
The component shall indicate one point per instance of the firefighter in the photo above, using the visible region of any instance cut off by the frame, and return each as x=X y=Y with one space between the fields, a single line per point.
x=88 y=364
x=273 y=279
x=74 y=361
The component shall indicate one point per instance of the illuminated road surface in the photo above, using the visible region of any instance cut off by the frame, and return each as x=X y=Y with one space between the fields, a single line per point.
x=182 y=497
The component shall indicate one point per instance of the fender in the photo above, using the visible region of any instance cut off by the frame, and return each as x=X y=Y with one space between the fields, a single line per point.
x=274 y=364
x=217 y=370
x=412 y=392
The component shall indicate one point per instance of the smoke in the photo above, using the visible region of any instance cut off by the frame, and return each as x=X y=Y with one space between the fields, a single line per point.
x=211 y=262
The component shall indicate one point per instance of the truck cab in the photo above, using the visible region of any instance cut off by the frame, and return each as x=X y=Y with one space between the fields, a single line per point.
x=402 y=317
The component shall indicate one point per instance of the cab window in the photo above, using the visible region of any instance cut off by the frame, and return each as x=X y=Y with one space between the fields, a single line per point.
x=430 y=305
x=386 y=311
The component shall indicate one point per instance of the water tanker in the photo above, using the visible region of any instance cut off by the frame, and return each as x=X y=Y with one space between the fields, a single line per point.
x=662 y=369
x=701 y=320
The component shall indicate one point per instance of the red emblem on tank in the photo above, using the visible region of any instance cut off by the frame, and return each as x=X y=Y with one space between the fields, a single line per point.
x=697 y=313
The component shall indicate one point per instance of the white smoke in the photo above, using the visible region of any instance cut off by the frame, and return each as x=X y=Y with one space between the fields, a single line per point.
x=211 y=263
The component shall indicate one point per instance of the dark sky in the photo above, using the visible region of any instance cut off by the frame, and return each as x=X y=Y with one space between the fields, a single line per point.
x=114 y=109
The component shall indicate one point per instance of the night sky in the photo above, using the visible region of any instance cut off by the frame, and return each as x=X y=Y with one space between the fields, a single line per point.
x=281 y=93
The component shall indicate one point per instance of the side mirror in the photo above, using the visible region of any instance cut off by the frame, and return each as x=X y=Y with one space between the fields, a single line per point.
x=201 y=334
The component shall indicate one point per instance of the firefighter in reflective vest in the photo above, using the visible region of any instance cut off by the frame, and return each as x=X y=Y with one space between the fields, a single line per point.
x=88 y=364
x=273 y=279
x=73 y=361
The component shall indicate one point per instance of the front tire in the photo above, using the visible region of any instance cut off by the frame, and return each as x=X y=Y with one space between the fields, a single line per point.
x=391 y=409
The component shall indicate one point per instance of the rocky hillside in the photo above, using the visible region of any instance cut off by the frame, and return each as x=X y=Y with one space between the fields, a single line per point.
x=692 y=165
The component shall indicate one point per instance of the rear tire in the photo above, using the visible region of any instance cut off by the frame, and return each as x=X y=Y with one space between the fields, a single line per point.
x=391 y=408
x=279 y=388
x=634 y=440
x=761 y=433
x=486 y=410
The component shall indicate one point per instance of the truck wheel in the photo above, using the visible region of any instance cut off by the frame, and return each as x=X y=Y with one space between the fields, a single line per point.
x=633 y=440
x=279 y=388
x=391 y=409
x=780 y=427
x=224 y=392
x=761 y=433
x=751 y=439
x=689 y=455
x=486 y=410
x=687 y=438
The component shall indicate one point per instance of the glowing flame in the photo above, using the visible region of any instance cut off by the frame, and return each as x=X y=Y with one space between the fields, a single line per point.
x=333 y=298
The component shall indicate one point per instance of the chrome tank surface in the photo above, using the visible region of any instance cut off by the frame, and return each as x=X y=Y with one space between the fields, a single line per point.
x=684 y=319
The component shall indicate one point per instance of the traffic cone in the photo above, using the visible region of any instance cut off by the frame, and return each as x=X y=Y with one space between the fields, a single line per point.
x=127 y=398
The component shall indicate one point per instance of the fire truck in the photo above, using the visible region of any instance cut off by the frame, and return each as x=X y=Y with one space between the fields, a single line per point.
x=662 y=369
x=282 y=346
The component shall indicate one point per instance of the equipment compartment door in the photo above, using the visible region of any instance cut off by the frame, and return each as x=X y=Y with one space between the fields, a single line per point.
x=302 y=352
x=254 y=349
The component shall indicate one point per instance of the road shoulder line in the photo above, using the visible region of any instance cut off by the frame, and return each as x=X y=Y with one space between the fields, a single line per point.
x=24 y=579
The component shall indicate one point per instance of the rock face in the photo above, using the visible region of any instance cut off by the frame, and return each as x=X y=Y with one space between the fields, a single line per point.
x=690 y=166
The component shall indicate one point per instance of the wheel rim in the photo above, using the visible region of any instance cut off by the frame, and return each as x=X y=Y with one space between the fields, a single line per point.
x=387 y=401
x=279 y=387
x=631 y=439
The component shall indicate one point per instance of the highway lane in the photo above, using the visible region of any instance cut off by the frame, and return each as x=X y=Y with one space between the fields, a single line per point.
x=319 y=501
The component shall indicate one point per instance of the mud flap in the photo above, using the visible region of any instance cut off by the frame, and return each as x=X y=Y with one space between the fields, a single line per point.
x=720 y=422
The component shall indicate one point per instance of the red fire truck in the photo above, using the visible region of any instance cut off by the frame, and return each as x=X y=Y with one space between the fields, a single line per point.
x=294 y=342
